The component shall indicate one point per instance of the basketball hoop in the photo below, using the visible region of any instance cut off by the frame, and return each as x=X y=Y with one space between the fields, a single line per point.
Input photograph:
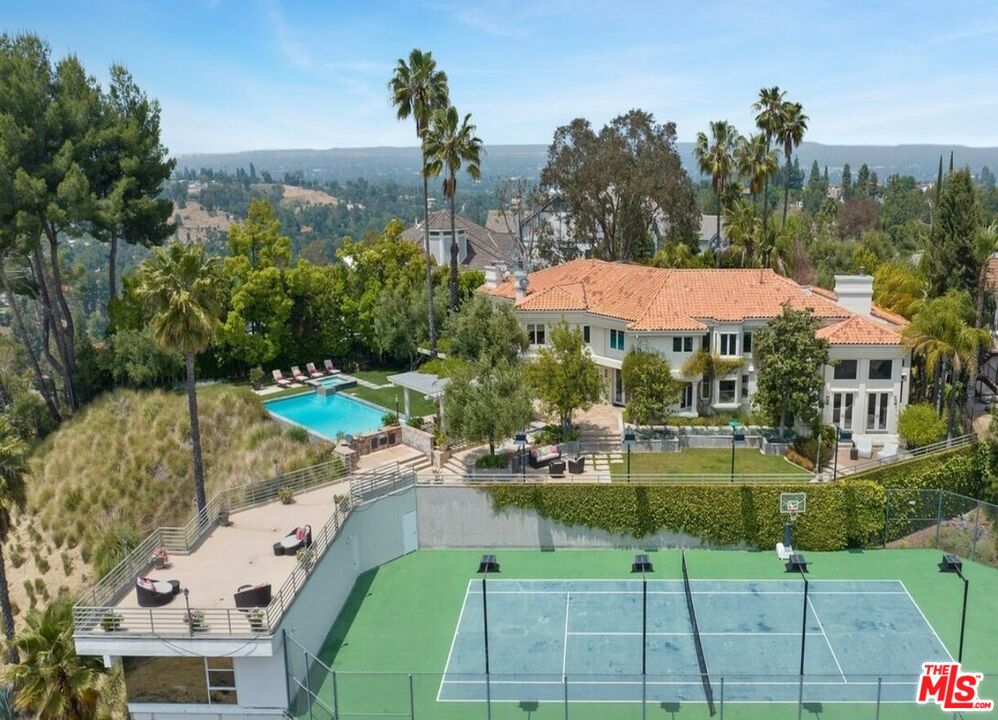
x=793 y=511
x=792 y=505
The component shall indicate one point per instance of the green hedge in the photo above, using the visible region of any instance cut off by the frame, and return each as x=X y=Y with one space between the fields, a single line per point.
x=838 y=515
x=963 y=470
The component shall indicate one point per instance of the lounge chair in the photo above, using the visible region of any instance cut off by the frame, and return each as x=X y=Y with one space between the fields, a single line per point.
x=253 y=596
x=312 y=372
x=577 y=465
x=294 y=541
x=281 y=380
x=298 y=375
x=155 y=593
x=864 y=446
x=889 y=451
x=556 y=468
x=331 y=369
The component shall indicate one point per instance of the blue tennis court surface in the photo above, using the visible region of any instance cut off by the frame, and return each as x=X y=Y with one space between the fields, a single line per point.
x=589 y=631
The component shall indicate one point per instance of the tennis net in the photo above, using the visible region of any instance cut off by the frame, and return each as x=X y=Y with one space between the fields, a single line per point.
x=704 y=677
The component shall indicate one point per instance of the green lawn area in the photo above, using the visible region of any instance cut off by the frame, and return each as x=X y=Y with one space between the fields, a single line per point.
x=378 y=377
x=400 y=618
x=706 y=461
x=385 y=397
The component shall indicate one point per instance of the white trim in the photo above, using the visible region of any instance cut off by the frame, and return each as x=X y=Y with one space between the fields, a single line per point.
x=827 y=641
x=453 y=640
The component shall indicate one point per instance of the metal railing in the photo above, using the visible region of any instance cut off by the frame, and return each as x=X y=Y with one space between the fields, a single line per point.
x=95 y=613
x=906 y=455
x=606 y=477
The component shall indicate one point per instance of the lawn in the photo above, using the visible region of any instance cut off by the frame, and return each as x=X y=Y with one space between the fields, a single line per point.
x=385 y=397
x=377 y=377
x=706 y=461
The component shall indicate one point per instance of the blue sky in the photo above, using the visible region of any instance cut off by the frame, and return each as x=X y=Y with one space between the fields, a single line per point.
x=250 y=74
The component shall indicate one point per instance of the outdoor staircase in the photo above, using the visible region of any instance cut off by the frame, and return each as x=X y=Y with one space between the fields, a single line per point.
x=417 y=464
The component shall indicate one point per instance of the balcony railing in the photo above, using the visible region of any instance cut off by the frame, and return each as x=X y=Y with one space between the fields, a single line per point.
x=95 y=614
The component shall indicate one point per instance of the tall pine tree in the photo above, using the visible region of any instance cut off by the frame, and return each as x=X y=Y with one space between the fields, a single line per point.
x=846 y=182
x=950 y=259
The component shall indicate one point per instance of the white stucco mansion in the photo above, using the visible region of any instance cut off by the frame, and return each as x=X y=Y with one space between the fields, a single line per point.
x=677 y=312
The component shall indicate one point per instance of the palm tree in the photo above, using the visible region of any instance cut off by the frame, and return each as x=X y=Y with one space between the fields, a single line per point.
x=942 y=333
x=715 y=157
x=181 y=287
x=755 y=162
x=791 y=134
x=451 y=144
x=417 y=89
x=769 y=119
x=52 y=681
x=740 y=221
x=13 y=453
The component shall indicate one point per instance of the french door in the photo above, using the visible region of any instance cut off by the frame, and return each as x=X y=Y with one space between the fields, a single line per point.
x=842 y=404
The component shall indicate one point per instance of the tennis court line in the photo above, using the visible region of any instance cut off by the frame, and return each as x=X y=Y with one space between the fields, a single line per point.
x=926 y=620
x=827 y=641
x=689 y=634
x=564 y=639
x=837 y=683
x=680 y=592
x=453 y=640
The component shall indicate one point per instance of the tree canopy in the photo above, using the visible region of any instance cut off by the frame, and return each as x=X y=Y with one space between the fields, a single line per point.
x=563 y=375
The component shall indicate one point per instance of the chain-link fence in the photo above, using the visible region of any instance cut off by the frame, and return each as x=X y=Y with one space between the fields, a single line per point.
x=939 y=519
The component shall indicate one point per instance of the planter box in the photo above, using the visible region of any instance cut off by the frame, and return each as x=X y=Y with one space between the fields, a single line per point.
x=771 y=447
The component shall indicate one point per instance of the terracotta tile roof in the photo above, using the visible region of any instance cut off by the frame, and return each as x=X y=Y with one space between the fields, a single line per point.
x=893 y=318
x=824 y=292
x=659 y=299
x=857 y=330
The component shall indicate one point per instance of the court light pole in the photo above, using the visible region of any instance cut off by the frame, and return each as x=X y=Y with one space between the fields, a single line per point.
x=735 y=435
x=952 y=564
x=488 y=564
x=643 y=565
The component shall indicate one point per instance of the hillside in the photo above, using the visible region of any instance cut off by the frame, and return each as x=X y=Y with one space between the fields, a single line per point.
x=402 y=163
x=124 y=462
x=197 y=224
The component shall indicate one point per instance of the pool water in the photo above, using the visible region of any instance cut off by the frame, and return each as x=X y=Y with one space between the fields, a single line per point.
x=327 y=415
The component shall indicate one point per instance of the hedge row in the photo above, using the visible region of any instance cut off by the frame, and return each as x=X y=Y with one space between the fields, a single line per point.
x=965 y=470
x=838 y=516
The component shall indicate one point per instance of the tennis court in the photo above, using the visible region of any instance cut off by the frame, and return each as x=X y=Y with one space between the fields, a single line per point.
x=591 y=631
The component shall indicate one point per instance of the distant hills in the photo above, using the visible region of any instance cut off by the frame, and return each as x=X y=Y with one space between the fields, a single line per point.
x=401 y=164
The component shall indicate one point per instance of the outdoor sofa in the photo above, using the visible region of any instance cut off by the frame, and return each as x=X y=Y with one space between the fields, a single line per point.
x=155 y=593
x=290 y=544
x=540 y=456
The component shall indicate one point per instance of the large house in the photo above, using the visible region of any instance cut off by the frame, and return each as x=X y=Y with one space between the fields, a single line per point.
x=477 y=246
x=677 y=312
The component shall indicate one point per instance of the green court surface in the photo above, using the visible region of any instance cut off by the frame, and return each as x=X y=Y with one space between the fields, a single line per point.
x=402 y=619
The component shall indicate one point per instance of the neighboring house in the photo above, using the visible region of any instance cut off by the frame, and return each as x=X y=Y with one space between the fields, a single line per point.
x=676 y=312
x=478 y=247
x=554 y=225
x=708 y=238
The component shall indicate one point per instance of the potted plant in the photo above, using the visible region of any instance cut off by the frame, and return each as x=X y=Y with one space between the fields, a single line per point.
x=305 y=557
x=161 y=558
x=223 y=517
x=195 y=618
x=111 y=621
x=256 y=620
x=286 y=495
x=256 y=376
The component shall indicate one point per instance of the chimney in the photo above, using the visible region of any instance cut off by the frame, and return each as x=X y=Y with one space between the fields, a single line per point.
x=520 y=281
x=855 y=292
x=493 y=276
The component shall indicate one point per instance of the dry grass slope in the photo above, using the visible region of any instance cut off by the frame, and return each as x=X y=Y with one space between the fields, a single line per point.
x=125 y=459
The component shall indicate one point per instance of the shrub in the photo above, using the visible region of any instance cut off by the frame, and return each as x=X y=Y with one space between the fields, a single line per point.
x=389 y=418
x=416 y=422
x=807 y=447
x=117 y=541
x=920 y=425
x=286 y=495
x=498 y=461
x=298 y=435
x=553 y=434
x=839 y=515
x=256 y=376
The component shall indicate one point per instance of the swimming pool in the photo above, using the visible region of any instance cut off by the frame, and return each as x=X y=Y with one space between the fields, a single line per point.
x=327 y=415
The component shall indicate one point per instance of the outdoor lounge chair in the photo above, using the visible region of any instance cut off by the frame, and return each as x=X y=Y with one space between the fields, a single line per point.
x=556 y=468
x=253 y=596
x=331 y=369
x=281 y=380
x=889 y=451
x=294 y=541
x=312 y=372
x=154 y=593
x=577 y=465
x=864 y=446
x=298 y=374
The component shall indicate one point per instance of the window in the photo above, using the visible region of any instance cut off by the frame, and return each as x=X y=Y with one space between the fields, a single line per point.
x=192 y=680
x=686 y=399
x=845 y=370
x=682 y=344
x=536 y=334
x=876 y=411
x=726 y=391
x=881 y=369
x=729 y=344
x=842 y=410
x=744 y=395
x=616 y=339
x=585 y=334
x=747 y=342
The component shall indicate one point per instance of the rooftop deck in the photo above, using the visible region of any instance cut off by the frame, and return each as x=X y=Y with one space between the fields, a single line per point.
x=211 y=560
